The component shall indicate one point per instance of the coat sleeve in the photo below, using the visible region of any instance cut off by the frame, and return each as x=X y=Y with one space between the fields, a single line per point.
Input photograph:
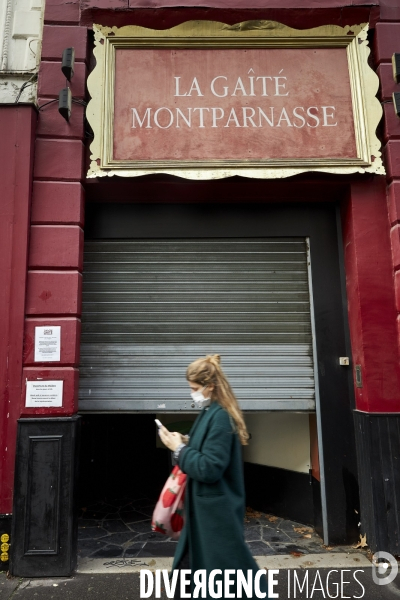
x=209 y=465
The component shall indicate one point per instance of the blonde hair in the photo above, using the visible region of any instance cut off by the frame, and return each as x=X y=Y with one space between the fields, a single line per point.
x=206 y=371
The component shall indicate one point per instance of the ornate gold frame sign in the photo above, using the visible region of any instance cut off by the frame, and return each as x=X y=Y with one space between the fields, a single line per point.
x=206 y=100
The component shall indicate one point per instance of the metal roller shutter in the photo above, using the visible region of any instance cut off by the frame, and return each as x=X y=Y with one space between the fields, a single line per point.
x=152 y=306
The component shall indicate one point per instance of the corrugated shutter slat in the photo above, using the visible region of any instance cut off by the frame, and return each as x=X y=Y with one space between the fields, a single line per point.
x=152 y=306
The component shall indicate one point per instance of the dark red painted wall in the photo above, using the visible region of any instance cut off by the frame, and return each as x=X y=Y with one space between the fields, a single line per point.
x=55 y=260
x=96 y=11
x=16 y=157
x=371 y=300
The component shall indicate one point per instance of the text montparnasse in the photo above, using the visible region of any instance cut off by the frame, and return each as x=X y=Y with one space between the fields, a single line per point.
x=298 y=117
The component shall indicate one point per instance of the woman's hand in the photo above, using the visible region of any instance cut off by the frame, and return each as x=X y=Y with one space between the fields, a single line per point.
x=172 y=439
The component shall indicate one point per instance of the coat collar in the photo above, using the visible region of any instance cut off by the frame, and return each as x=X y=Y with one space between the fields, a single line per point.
x=199 y=428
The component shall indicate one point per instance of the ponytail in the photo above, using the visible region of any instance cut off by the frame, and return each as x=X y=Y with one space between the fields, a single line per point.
x=206 y=371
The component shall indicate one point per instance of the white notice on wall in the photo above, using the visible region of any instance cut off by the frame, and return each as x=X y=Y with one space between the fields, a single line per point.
x=42 y=394
x=48 y=343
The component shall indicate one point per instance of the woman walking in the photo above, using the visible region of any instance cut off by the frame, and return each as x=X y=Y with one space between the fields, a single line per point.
x=213 y=534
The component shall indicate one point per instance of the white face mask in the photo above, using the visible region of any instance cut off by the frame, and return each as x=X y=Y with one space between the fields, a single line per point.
x=199 y=399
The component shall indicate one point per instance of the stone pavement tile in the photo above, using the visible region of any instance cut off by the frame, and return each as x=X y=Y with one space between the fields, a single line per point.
x=83 y=523
x=118 y=501
x=280 y=548
x=132 y=516
x=158 y=549
x=260 y=548
x=95 y=514
x=102 y=507
x=133 y=550
x=112 y=517
x=288 y=525
x=143 y=501
x=85 y=533
x=148 y=504
x=252 y=534
x=265 y=519
x=7 y=586
x=108 y=552
x=150 y=536
x=141 y=526
x=118 y=539
x=87 y=547
x=272 y=535
x=115 y=526
x=147 y=510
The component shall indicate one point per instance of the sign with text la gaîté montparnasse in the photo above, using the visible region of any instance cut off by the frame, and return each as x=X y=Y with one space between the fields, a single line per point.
x=206 y=100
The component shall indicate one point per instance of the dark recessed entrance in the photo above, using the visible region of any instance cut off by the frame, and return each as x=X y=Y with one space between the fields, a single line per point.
x=122 y=445
x=122 y=472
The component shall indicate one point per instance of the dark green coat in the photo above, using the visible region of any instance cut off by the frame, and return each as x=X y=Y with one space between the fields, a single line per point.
x=215 y=497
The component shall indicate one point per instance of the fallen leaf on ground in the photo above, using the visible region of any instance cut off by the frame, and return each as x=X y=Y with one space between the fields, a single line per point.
x=362 y=543
x=296 y=554
x=306 y=535
x=302 y=529
x=250 y=512
x=272 y=519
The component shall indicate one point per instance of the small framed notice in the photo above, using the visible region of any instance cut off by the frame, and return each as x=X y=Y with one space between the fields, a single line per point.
x=48 y=343
x=42 y=394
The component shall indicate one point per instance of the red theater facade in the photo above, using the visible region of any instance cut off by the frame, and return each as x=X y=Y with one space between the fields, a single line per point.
x=228 y=181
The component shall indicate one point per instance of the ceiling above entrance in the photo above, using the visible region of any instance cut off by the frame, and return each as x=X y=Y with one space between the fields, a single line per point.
x=205 y=100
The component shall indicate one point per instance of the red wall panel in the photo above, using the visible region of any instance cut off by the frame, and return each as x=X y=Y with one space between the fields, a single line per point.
x=57 y=202
x=70 y=339
x=54 y=293
x=397 y=291
x=387 y=37
x=387 y=83
x=395 y=239
x=58 y=37
x=16 y=157
x=70 y=378
x=60 y=11
x=52 y=80
x=394 y=201
x=58 y=159
x=391 y=153
x=391 y=123
x=56 y=246
x=371 y=297
x=390 y=10
x=52 y=125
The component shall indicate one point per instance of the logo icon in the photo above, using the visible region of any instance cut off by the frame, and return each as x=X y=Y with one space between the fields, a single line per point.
x=384 y=568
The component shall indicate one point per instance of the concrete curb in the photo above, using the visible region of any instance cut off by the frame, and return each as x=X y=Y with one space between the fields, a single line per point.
x=334 y=560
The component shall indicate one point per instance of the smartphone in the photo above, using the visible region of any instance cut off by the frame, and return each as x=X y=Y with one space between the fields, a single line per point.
x=158 y=423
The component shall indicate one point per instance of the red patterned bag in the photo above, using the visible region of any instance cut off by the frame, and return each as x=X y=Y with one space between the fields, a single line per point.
x=168 y=515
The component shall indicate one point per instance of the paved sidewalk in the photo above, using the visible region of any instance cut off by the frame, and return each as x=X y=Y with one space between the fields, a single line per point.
x=357 y=583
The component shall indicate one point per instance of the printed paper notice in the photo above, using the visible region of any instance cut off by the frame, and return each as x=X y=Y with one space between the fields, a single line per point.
x=48 y=344
x=42 y=394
